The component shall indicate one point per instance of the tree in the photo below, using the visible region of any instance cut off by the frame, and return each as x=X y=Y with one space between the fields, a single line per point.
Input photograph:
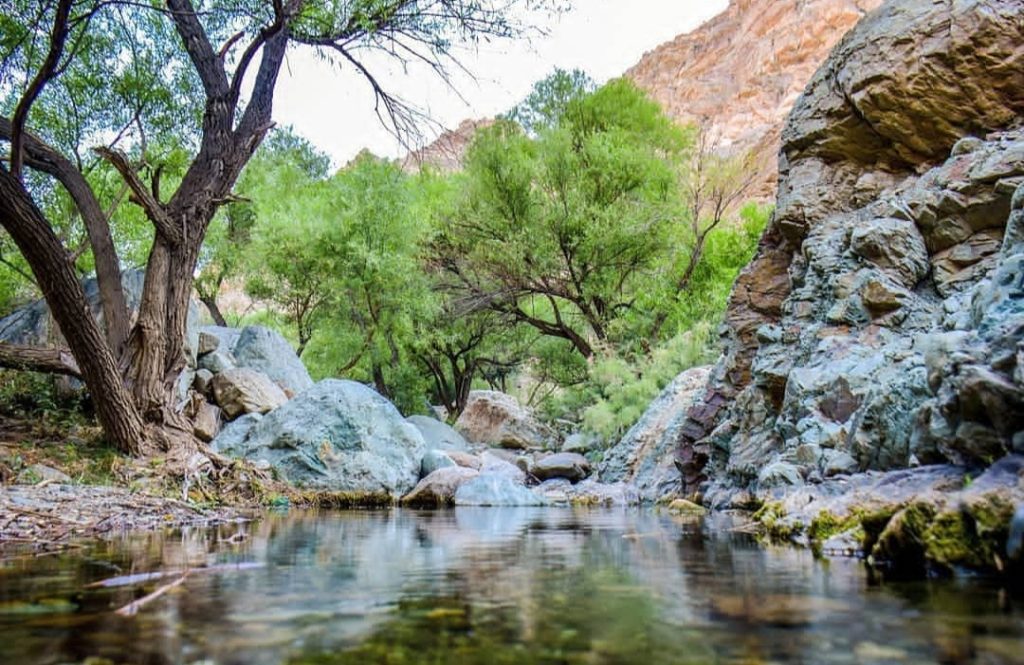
x=73 y=71
x=563 y=231
x=544 y=107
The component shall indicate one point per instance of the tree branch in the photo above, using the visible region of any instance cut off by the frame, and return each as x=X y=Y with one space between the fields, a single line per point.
x=58 y=37
x=142 y=194
x=38 y=359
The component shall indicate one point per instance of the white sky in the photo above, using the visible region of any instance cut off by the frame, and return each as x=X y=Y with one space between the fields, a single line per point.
x=333 y=107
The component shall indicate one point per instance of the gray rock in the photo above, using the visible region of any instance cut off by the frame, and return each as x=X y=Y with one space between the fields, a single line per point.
x=497 y=419
x=492 y=464
x=38 y=473
x=206 y=424
x=571 y=466
x=208 y=343
x=241 y=390
x=836 y=462
x=580 y=442
x=439 y=487
x=645 y=456
x=338 y=436
x=217 y=361
x=266 y=351
x=203 y=382
x=433 y=460
x=589 y=492
x=233 y=434
x=438 y=434
x=779 y=473
x=226 y=338
x=490 y=489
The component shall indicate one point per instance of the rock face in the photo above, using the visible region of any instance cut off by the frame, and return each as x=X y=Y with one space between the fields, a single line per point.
x=741 y=71
x=338 y=436
x=881 y=323
x=497 y=419
x=645 y=456
x=447 y=151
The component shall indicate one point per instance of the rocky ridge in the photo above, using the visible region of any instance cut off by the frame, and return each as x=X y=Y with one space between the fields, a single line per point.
x=881 y=324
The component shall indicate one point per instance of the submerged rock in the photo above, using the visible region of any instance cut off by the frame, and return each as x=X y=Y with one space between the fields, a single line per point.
x=338 y=436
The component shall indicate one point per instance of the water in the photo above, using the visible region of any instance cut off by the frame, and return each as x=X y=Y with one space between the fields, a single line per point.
x=489 y=586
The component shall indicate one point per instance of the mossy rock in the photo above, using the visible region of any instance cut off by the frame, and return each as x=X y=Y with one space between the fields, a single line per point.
x=684 y=507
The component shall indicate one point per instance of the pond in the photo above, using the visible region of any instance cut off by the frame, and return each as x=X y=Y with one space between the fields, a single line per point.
x=480 y=585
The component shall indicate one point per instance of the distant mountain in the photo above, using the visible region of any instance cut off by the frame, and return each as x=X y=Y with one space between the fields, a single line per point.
x=741 y=72
x=738 y=73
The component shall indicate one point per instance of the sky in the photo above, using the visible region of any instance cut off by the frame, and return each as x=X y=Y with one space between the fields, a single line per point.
x=333 y=106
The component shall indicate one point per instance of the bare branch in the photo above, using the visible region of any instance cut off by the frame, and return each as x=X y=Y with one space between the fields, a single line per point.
x=38 y=359
x=142 y=195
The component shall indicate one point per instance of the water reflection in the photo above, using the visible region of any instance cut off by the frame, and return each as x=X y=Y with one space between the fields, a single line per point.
x=478 y=585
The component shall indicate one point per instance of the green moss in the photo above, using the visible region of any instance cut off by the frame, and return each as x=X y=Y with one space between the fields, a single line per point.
x=772 y=516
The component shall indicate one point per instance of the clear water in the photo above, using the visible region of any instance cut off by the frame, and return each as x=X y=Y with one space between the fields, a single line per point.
x=490 y=586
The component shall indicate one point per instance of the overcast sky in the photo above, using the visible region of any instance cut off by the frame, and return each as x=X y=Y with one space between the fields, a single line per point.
x=333 y=107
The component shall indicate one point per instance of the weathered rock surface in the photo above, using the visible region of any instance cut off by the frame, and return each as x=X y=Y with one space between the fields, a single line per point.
x=571 y=466
x=497 y=419
x=241 y=390
x=438 y=434
x=338 y=436
x=645 y=456
x=433 y=460
x=589 y=492
x=877 y=326
x=439 y=487
x=207 y=422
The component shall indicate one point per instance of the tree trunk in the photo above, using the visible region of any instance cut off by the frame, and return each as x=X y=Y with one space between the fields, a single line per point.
x=38 y=359
x=60 y=286
x=211 y=306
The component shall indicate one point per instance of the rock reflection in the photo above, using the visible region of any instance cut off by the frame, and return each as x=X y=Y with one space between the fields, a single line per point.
x=489 y=585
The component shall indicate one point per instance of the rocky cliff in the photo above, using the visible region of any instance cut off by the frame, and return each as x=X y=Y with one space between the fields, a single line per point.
x=881 y=324
x=740 y=73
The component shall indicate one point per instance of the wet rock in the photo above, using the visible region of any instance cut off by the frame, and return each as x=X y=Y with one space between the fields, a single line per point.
x=497 y=419
x=645 y=456
x=434 y=460
x=266 y=351
x=438 y=434
x=241 y=390
x=685 y=507
x=492 y=489
x=571 y=466
x=37 y=473
x=338 y=436
x=439 y=487
x=206 y=424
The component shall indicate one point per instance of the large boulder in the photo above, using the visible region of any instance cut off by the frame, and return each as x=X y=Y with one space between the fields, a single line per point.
x=338 y=436
x=645 y=456
x=240 y=390
x=878 y=325
x=266 y=351
x=497 y=419
x=437 y=434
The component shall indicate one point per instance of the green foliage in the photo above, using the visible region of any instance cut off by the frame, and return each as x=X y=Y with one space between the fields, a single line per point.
x=544 y=107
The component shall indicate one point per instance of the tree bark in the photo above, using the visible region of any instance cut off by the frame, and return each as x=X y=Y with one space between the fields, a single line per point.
x=60 y=286
x=211 y=306
x=38 y=359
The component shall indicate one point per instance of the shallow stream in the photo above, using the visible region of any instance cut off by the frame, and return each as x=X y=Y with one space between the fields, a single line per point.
x=479 y=585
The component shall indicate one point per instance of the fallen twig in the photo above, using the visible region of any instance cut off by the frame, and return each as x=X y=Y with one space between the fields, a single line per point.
x=132 y=608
